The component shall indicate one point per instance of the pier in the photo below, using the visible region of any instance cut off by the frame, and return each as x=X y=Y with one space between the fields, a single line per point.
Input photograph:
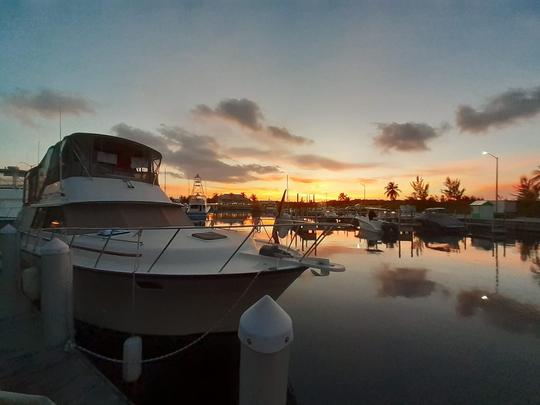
x=32 y=368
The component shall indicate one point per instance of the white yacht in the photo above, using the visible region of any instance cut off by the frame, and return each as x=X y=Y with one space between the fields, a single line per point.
x=139 y=265
x=197 y=206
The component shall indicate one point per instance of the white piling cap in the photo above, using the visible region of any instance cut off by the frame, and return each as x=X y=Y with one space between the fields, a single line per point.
x=265 y=327
x=8 y=229
x=53 y=247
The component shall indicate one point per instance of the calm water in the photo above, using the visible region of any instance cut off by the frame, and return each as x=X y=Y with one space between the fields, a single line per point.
x=433 y=320
x=406 y=323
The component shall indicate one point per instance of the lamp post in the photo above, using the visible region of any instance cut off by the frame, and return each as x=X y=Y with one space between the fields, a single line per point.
x=496 y=186
x=364 y=191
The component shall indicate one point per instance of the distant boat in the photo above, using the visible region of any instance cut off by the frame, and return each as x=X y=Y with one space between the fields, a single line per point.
x=372 y=222
x=198 y=207
x=11 y=195
x=438 y=220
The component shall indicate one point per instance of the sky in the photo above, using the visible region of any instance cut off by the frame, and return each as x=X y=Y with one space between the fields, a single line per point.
x=335 y=95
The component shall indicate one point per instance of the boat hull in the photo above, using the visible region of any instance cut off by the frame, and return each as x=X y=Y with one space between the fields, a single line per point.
x=175 y=305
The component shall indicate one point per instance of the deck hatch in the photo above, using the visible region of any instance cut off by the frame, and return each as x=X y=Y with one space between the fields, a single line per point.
x=208 y=235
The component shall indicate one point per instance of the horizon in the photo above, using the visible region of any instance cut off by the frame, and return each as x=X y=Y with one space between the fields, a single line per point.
x=332 y=96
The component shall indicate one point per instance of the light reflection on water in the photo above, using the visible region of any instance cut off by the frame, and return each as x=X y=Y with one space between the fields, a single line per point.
x=406 y=323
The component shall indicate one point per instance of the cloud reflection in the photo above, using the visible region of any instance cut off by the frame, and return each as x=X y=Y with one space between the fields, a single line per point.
x=406 y=282
x=502 y=312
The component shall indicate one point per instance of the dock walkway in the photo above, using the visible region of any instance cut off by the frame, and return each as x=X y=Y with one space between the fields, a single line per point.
x=28 y=366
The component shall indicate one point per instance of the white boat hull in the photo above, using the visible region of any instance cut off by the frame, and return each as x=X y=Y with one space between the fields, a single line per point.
x=170 y=304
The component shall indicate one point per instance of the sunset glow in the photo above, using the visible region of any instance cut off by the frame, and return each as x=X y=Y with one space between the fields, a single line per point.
x=245 y=96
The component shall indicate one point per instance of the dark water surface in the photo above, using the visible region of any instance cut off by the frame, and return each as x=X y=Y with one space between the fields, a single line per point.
x=422 y=320
x=440 y=320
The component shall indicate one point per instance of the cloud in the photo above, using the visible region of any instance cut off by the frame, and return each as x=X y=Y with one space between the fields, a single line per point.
x=248 y=115
x=135 y=134
x=251 y=152
x=193 y=154
x=310 y=161
x=304 y=161
x=499 y=111
x=26 y=106
x=282 y=134
x=243 y=112
x=304 y=180
x=408 y=137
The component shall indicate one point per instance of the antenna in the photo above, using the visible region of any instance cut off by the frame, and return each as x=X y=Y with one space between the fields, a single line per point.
x=165 y=179
x=287 y=188
x=38 y=151
x=60 y=122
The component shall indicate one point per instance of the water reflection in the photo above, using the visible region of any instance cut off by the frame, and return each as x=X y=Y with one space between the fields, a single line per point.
x=406 y=282
x=442 y=243
x=500 y=311
x=528 y=249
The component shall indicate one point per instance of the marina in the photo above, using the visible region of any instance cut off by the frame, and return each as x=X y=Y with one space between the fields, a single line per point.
x=269 y=203
x=435 y=312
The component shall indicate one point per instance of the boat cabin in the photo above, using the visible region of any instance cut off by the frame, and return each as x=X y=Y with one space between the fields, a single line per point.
x=85 y=181
x=92 y=155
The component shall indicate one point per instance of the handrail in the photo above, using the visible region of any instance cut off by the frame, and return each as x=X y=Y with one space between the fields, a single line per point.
x=163 y=250
x=296 y=224
x=187 y=227
x=238 y=248
x=103 y=249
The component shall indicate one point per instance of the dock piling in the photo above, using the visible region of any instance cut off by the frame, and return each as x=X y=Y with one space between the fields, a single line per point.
x=57 y=292
x=265 y=333
x=13 y=301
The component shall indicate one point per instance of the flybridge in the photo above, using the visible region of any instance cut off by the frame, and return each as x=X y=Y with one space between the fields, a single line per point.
x=93 y=155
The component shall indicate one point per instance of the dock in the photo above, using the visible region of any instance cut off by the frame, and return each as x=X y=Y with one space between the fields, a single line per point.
x=33 y=372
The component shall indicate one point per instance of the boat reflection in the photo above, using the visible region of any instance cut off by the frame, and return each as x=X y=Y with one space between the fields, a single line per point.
x=441 y=243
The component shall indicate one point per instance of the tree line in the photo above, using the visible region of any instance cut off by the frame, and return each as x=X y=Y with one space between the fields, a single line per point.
x=452 y=191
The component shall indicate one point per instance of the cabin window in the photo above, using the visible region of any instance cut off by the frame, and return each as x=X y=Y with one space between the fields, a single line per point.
x=114 y=158
x=110 y=215
x=50 y=217
x=43 y=168
x=108 y=158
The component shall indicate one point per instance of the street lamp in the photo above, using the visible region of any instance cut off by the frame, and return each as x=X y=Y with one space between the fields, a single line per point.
x=496 y=185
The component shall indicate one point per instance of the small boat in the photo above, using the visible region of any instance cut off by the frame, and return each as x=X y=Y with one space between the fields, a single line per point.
x=373 y=223
x=438 y=220
x=198 y=208
x=139 y=264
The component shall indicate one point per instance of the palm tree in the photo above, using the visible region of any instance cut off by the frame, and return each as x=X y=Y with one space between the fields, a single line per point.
x=452 y=190
x=527 y=189
x=392 y=190
x=420 y=190
x=536 y=176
